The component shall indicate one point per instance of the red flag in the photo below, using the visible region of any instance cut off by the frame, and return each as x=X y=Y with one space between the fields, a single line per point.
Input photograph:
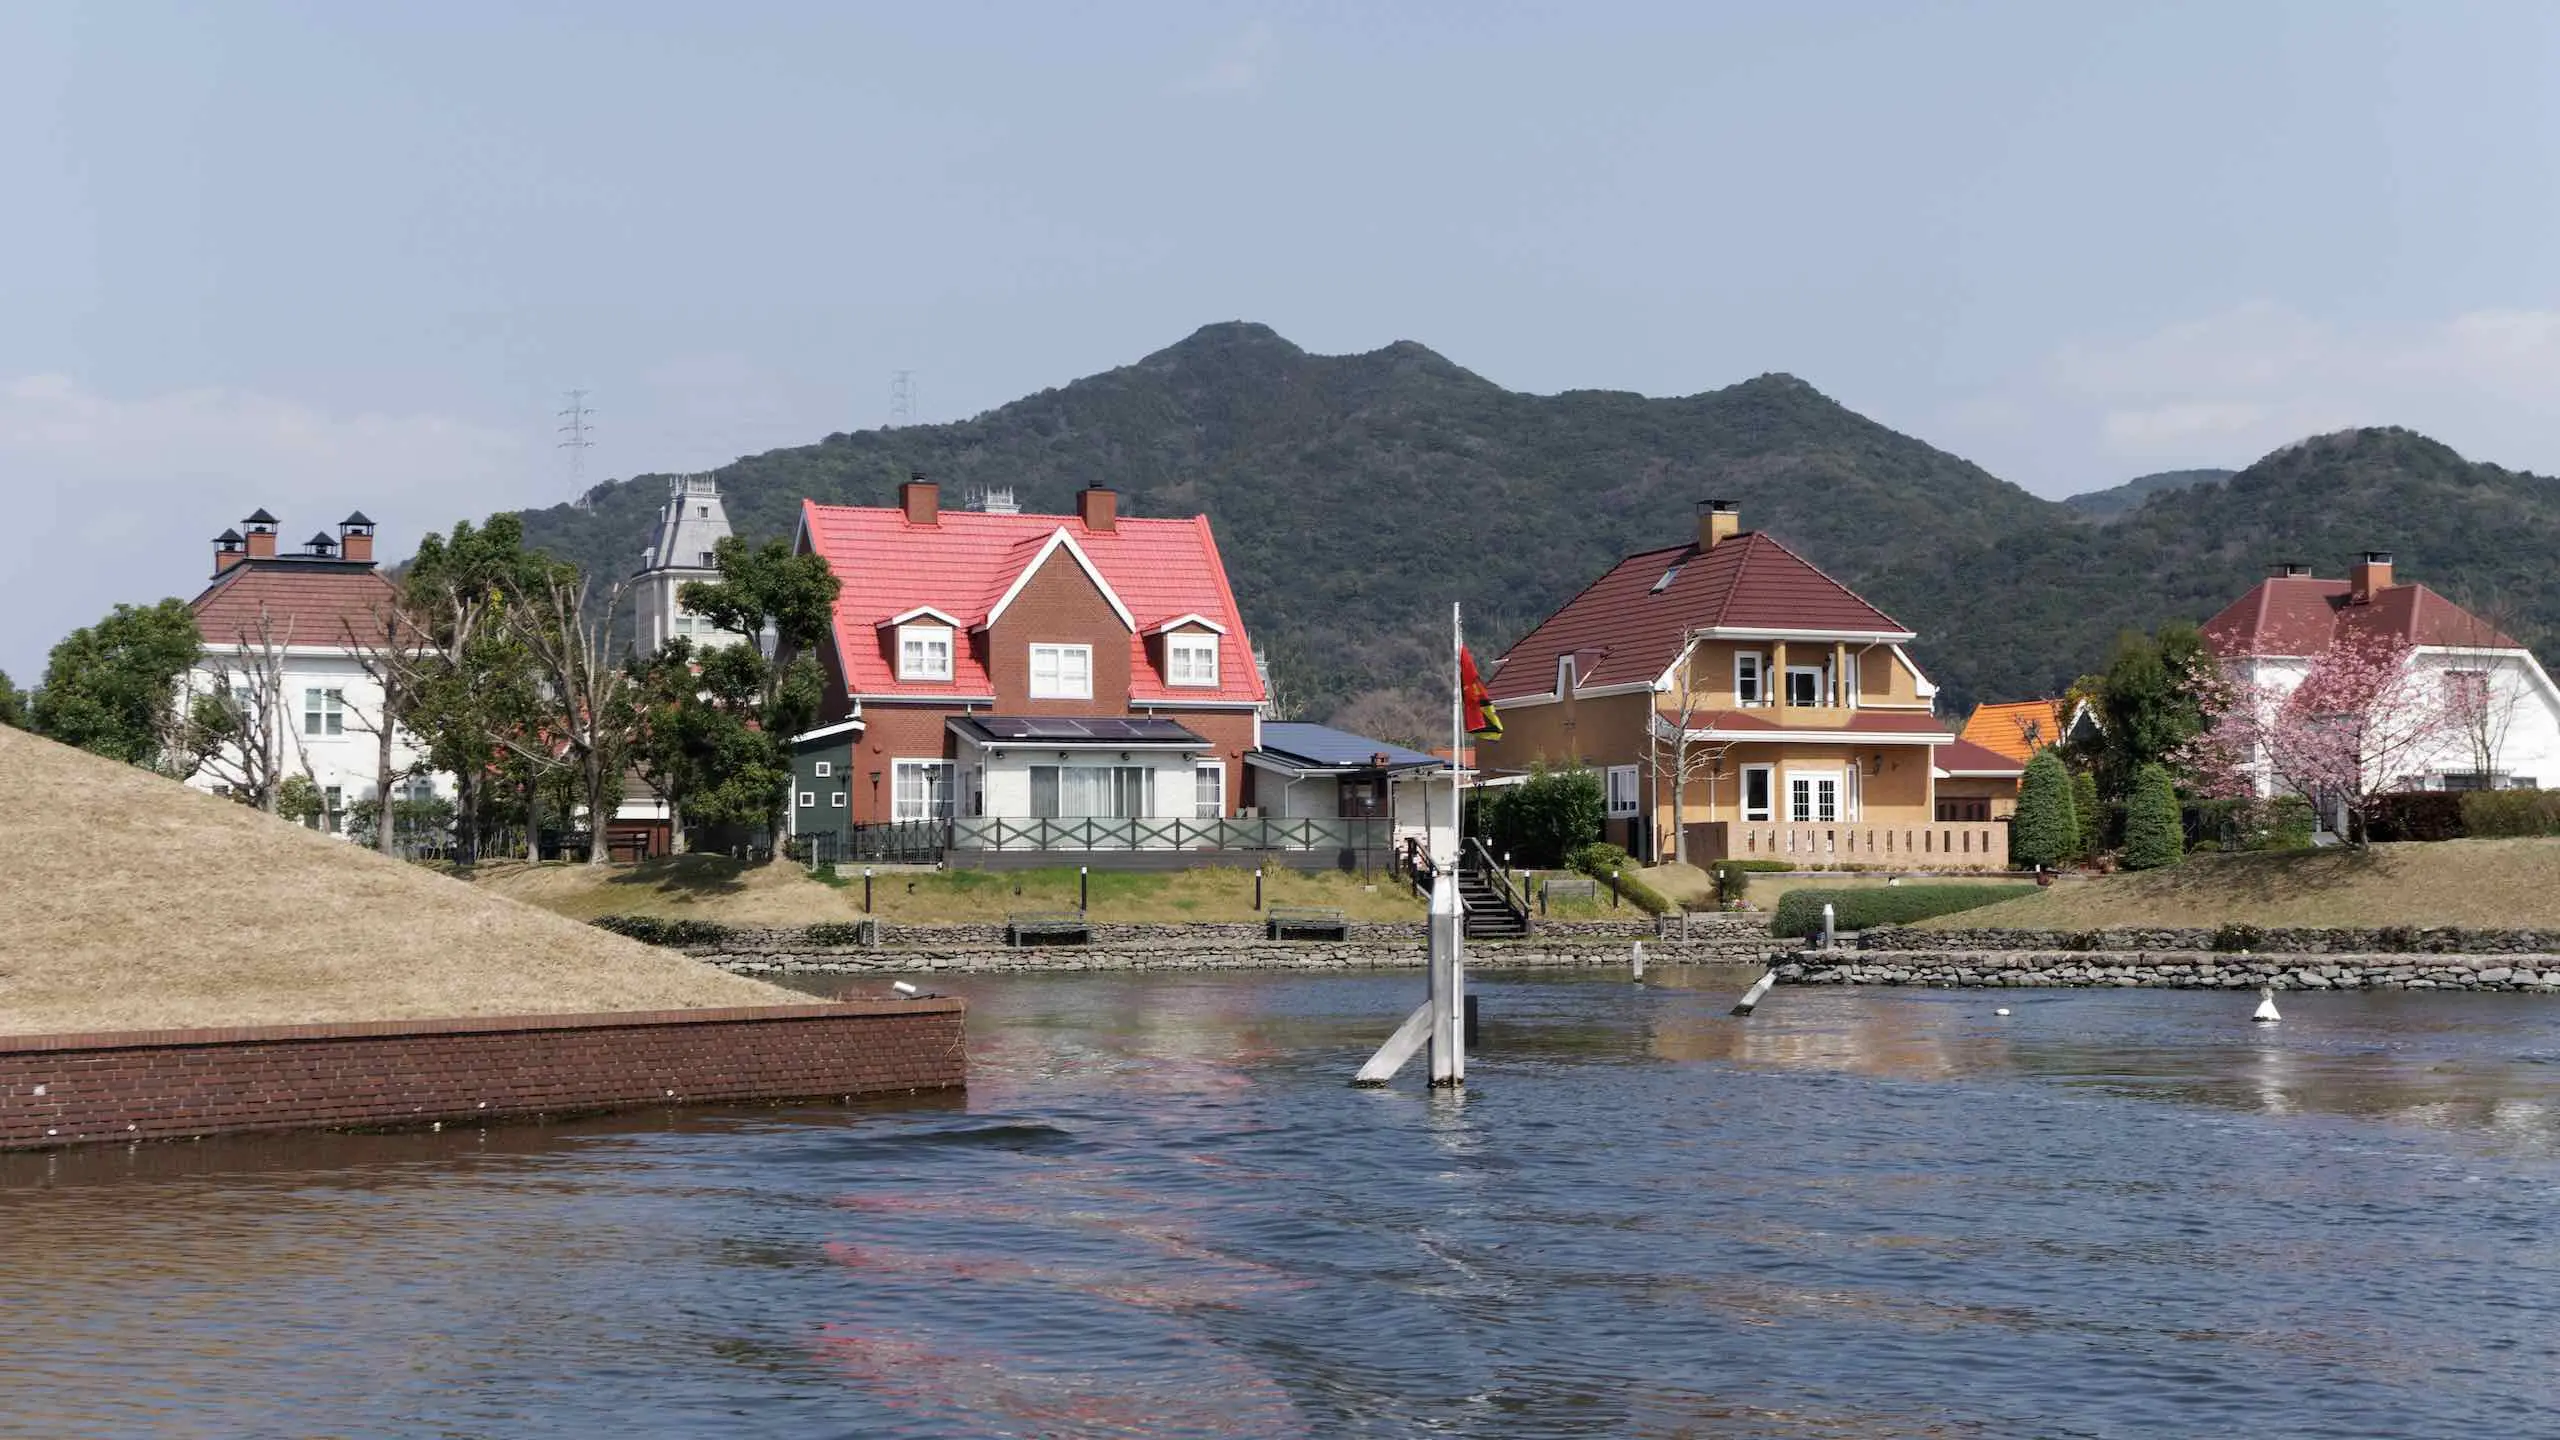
x=1483 y=721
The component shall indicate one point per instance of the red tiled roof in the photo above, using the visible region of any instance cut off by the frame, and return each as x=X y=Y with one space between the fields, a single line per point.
x=1966 y=758
x=965 y=562
x=1622 y=631
x=2016 y=730
x=307 y=602
x=2302 y=616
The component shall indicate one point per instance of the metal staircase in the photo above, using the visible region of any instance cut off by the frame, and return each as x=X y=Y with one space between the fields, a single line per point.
x=1495 y=908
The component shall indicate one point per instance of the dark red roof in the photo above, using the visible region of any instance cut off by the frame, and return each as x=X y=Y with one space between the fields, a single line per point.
x=1966 y=758
x=2302 y=616
x=307 y=602
x=964 y=563
x=1624 y=631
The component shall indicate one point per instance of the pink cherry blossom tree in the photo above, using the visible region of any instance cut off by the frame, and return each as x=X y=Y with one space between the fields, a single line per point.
x=2363 y=722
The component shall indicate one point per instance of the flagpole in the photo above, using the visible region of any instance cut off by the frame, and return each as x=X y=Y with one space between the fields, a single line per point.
x=1457 y=725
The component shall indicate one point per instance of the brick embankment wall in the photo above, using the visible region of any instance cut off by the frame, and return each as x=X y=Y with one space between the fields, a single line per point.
x=160 y=1084
x=2386 y=940
x=2171 y=970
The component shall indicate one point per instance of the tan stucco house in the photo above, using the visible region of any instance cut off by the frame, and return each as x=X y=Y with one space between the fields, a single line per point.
x=1741 y=704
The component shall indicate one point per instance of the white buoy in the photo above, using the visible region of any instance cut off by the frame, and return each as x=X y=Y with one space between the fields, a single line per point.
x=2003 y=1010
x=2266 y=1012
x=1759 y=987
x=1637 y=962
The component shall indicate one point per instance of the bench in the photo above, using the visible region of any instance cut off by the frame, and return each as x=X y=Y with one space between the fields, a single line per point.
x=1569 y=887
x=1047 y=927
x=1306 y=922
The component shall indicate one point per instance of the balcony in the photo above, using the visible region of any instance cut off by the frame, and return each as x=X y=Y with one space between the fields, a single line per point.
x=1973 y=845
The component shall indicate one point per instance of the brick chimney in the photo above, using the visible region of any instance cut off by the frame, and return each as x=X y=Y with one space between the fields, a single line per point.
x=227 y=551
x=1098 y=508
x=261 y=539
x=921 y=499
x=2369 y=577
x=355 y=538
x=1717 y=521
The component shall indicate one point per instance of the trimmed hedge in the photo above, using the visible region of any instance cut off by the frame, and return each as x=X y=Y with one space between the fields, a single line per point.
x=1600 y=860
x=654 y=930
x=2509 y=813
x=1800 y=911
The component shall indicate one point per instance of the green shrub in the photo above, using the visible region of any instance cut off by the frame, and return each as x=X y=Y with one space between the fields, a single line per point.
x=2092 y=819
x=2511 y=812
x=1800 y=911
x=2423 y=815
x=835 y=934
x=1601 y=861
x=655 y=930
x=2233 y=938
x=1733 y=880
x=1759 y=867
x=2153 y=833
x=2284 y=822
x=1547 y=817
x=2045 y=832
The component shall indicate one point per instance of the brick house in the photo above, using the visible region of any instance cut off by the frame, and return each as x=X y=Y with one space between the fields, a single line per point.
x=1739 y=703
x=1082 y=671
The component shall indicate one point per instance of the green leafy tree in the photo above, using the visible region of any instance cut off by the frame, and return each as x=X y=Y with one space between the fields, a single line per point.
x=1549 y=816
x=299 y=799
x=2085 y=808
x=13 y=703
x=2151 y=700
x=2152 y=834
x=768 y=698
x=112 y=687
x=470 y=680
x=2045 y=831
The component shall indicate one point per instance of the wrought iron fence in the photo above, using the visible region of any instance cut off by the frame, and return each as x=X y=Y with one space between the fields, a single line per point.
x=906 y=842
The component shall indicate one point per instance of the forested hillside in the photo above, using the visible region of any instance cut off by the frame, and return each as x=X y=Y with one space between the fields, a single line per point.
x=1355 y=496
x=2116 y=501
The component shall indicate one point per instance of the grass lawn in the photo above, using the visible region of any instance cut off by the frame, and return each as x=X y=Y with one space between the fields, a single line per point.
x=2487 y=884
x=133 y=902
x=703 y=887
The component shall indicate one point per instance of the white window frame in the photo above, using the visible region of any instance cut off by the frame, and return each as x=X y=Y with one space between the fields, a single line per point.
x=324 y=711
x=1768 y=810
x=901 y=809
x=838 y=800
x=823 y=769
x=1815 y=782
x=1059 y=686
x=1756 y=665
x=1820 y=674
x=924 y=638
x=808 y=799
x=1215 y=807
x=1178 y=646
x=1626 y=792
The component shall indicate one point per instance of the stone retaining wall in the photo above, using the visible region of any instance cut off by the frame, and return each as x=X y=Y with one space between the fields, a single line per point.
x=2387 y=940
x=2172 y=970
x=164 y=1084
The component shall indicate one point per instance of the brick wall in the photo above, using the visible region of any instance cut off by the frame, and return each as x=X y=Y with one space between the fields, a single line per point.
x=160 y=1084
x=1060 y=606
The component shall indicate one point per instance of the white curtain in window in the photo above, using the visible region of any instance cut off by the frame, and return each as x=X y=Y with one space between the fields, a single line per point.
x=1091 y=792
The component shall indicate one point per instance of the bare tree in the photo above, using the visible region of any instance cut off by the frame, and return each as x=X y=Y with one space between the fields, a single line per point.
x=2482 y=655
x=241 y=730
x=395 y=655
x=1670 y=753
x=583 y=722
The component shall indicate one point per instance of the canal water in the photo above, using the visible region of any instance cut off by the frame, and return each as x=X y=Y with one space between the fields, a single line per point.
x=1161 y=1212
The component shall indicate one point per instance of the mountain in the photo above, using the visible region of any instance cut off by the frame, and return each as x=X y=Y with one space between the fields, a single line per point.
x=2113 y=503
x=1355 y=496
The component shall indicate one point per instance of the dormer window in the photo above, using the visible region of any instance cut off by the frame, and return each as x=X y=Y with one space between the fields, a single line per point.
x=1191 y=659
x=924 y=652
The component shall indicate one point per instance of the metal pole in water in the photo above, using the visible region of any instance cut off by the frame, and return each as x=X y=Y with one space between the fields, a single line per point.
x=1760 y=987
x=1826 y=925
x=1635 y=962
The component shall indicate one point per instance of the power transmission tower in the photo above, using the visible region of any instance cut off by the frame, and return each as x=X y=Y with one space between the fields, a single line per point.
x=574 y=428
x=902 y=398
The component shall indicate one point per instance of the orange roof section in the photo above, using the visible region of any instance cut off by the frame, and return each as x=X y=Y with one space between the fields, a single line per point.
x=2016 y=730
x=2298 y=615
x=965 y=562
x=327 y=603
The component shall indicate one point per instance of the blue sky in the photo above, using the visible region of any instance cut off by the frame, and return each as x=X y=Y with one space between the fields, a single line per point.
x=321 y=256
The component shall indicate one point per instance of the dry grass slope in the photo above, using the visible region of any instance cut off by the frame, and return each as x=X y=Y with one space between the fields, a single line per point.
x=130 y=902
x=2488 y=884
